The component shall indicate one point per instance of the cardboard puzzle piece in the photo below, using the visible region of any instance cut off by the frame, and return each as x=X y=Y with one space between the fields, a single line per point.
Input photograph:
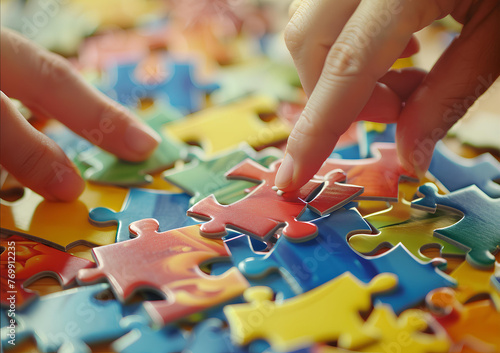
x=264 y=77
x=416 y=234
x=54 y=223
x=481 y=218
x=172 y=261
x=214 y=169
x=405 y=333
x=475 y=283
x=312 y=263
x=474 y=325
x=264 y=211
x=210 y=336
x=220 y=128
x=327 y=313
x=143 y=338
x=105 y=168
x=167 y=208
x=52 y=319
x=179 y=88
x=480 y=129
x=456 y=172
x=24 y=261
x=379 y=175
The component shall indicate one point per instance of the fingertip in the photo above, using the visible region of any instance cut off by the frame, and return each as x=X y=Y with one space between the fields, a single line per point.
x=66 y=184
x=141 y=140
x=284 y=176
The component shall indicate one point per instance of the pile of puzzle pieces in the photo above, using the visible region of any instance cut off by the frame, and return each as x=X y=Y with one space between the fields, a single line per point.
x=194 y=250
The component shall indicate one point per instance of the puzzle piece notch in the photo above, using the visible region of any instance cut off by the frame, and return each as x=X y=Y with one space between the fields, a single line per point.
x=32 y=262
x=172 y=261
x=379 y=175
x=167 y=208
x=481 y=217
x=264 y=211
x=326 y=313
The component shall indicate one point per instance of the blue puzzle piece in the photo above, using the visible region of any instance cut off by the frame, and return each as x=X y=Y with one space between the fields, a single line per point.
x=479 y=230
x=456 y=172
x=210 y=336
x=144 y=339
x=167 y=208
x=71 y=317
x=180 y=89
x=310 y=264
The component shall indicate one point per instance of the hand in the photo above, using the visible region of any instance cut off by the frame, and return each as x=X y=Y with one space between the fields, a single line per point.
x=343 y=51
x=47 y=84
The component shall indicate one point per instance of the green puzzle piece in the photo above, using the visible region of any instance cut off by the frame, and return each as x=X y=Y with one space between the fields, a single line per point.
x=213 y=171
x=415 y=233
x=103 y=167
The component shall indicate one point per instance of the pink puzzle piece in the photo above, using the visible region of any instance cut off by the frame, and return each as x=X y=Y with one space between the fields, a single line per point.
x=167 y=262
x=379 y=175
x=264 y=211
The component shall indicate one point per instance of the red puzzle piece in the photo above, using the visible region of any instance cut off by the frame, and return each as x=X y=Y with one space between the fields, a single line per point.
x=167 y=262
x=264 y=211
x=24 y=261
x=379 y=175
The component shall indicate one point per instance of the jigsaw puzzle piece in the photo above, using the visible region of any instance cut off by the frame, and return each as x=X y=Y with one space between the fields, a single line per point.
x=143 y=338
x=405 y=333
x=220 y=128
x=379 y=175
x=225 y=191
x=52 y=319
x=474 y=325
x=104 y=167
x=456 y=172
x=172 y=261
x=473 y=282
x=54 y=223
x=24 y=261
x=481 y=217
x=210 y=336
x=326 y=313
x=167 y=208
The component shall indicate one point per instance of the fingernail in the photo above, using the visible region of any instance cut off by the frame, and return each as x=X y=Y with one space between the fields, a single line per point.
x=285 y=172
x=141 y=139
x=66 y=185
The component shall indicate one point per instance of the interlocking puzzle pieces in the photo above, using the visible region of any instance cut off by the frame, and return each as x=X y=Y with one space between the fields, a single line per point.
x=179 y=88
x=74 y=316
x=167 y=208
x=213 y=170
x=264 y=211
x=143 y=338
x=105 y=168
x=220 y=128
x=478 y=231
x=309 y=264
x=54 y=223
x=379 y=175
x=171 y=260
x=472 y=327
x=24 y=261
x=456 y=172
x=405 y=333
x=210 y=336
x=326 y=313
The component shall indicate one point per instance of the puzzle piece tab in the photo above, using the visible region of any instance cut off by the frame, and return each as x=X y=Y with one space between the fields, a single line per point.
x=167 y=208
x=264 y=211
x=327 y=313
x=171 y=259
x=379 y=175
x=24 y=261
x=478 y=231
x=213 y=169
x=219 y=128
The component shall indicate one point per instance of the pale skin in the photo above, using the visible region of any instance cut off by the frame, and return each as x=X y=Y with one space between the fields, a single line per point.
x=51 y=87
x=343 y=50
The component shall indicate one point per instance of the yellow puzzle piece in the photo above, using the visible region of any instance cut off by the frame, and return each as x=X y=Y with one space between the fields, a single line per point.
x=222 y=127
x=326 y=313
x=62 y=224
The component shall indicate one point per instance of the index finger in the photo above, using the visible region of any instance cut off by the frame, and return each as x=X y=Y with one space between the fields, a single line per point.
x=369 y=43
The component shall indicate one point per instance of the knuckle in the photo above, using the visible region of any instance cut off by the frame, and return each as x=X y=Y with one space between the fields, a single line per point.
x=54 y=70
x=33 y=164
x=305 y=129
x=342 y=61
x=294 y=36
